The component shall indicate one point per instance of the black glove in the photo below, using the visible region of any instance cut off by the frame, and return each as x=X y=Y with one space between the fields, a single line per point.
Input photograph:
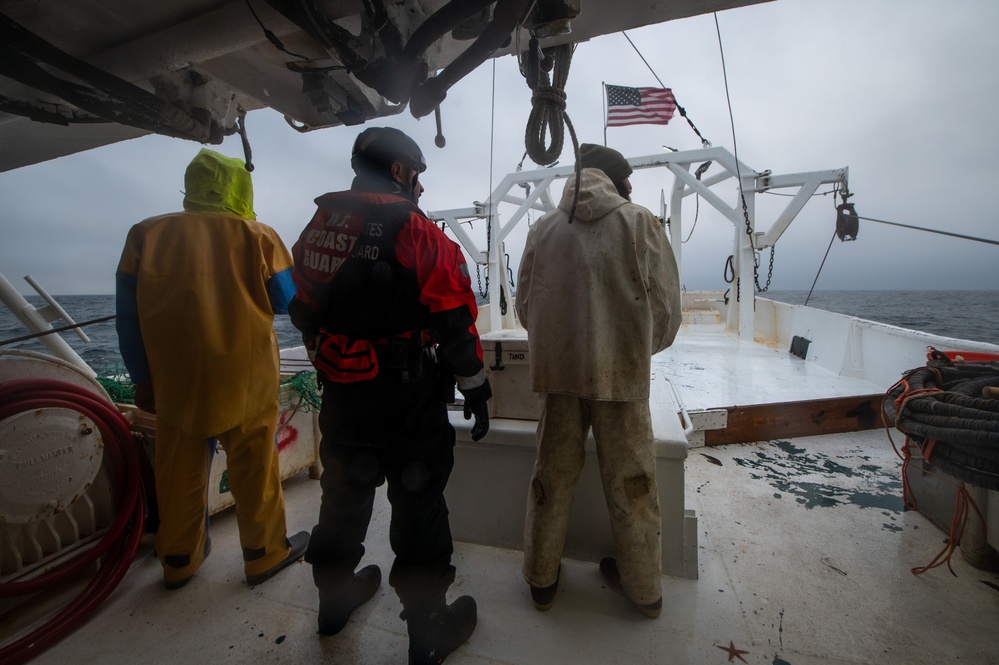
x=145 y=400
x=311 y=344
x=476 y=404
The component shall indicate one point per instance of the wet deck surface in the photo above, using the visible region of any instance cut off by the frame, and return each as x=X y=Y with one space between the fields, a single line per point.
x=712 y=368
x=805 y=554
x=804 y=557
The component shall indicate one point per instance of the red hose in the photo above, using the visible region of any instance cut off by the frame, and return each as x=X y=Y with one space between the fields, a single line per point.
x=120 y=543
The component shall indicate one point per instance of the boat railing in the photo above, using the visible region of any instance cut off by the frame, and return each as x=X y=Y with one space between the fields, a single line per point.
x=39 y=320
x=852 y=347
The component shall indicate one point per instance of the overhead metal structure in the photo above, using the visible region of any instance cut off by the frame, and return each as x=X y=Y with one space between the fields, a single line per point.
x=78 y=74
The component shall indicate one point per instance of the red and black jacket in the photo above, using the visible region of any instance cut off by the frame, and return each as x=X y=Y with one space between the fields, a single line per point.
x=370 y=267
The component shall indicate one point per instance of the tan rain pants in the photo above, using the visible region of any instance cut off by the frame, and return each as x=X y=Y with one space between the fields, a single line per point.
x=626 y=456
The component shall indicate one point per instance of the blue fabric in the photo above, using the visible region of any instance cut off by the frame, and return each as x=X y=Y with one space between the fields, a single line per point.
x=280 y=290
x=133 y=351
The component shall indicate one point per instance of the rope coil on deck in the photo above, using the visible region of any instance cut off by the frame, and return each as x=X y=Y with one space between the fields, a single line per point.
x=942 y=413
x=939 y=407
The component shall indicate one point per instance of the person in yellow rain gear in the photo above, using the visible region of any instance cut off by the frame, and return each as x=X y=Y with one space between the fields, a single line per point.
x=196 y=294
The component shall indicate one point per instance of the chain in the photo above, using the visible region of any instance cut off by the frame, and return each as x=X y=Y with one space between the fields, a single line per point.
x=770 y=272
x=752 y=243
x=489 y=240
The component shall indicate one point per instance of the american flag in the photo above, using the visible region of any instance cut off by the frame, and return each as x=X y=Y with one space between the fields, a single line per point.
x=636 y=106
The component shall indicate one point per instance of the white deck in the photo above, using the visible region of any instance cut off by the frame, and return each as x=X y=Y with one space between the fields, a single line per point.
x=712 y=368
x=787 y=581
x=804 y=558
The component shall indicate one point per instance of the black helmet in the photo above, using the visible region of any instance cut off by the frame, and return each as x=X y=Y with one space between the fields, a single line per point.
x=376 y=148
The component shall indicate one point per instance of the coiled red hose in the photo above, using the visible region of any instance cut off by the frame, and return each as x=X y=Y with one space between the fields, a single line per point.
x=120 y=543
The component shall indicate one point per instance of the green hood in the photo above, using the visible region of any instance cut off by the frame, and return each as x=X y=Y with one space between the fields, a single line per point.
x=218 y=184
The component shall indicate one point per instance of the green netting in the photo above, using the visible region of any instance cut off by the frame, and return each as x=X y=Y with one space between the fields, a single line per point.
x=300 y=391
x=297 y=392
x=114 y=379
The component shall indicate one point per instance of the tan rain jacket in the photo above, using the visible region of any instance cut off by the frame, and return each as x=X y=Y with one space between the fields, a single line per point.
x=598 y=297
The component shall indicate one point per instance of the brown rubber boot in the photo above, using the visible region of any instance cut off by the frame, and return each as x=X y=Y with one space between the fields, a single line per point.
x=543 y=597
x=608 y=568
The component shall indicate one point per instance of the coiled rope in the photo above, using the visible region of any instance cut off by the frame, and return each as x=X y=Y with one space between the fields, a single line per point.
x=940 y=410
x=548 y=107
x=548 y=111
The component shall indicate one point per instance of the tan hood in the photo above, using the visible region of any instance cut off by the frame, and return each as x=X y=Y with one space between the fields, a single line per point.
x=597 y=195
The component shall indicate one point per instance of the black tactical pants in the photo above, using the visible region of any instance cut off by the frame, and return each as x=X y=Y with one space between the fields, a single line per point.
x=393 y=430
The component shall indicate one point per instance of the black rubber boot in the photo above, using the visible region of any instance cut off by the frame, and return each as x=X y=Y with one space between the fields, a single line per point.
x=434 y=635
x=336 y=606
x=297 y=544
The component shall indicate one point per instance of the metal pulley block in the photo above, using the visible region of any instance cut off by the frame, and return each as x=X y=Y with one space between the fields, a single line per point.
x=847 y=222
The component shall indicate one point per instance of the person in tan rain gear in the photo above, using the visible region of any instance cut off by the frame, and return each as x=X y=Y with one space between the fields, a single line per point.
x=196 y=296
x=599 y=295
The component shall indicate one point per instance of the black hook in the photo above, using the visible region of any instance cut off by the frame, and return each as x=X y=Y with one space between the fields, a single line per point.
x=439 y=140
x=241 y=130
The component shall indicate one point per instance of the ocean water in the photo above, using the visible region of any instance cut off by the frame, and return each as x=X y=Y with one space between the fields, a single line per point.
x=972 y=315
x=101 y=353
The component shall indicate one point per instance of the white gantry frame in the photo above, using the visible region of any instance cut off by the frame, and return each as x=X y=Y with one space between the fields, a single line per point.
x=537 y=197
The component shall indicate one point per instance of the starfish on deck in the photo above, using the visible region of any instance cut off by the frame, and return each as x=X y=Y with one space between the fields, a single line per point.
x=732 y=651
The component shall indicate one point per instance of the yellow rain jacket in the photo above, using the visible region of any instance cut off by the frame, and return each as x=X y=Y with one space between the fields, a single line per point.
x=197 y=293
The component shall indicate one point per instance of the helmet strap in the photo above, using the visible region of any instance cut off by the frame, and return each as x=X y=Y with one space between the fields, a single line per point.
x=398 y=172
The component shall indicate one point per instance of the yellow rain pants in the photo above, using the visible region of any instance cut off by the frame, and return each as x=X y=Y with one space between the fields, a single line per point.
x=182 y=472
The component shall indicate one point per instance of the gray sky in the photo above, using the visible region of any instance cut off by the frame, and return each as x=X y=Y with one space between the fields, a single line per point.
x=904 y=93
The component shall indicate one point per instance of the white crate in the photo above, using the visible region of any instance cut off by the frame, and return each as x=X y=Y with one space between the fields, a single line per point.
x=509 y=372
x=297 y=439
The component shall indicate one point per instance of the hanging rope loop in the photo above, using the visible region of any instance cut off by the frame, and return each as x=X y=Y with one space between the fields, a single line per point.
x=545 y=133
x=548 y=103
x=547 y=109
x=549 y=94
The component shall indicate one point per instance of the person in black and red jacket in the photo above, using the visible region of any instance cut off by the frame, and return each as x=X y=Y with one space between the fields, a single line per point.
x=386 y=309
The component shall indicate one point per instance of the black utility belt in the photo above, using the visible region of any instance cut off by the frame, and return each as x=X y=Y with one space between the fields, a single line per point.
x=406 y=356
